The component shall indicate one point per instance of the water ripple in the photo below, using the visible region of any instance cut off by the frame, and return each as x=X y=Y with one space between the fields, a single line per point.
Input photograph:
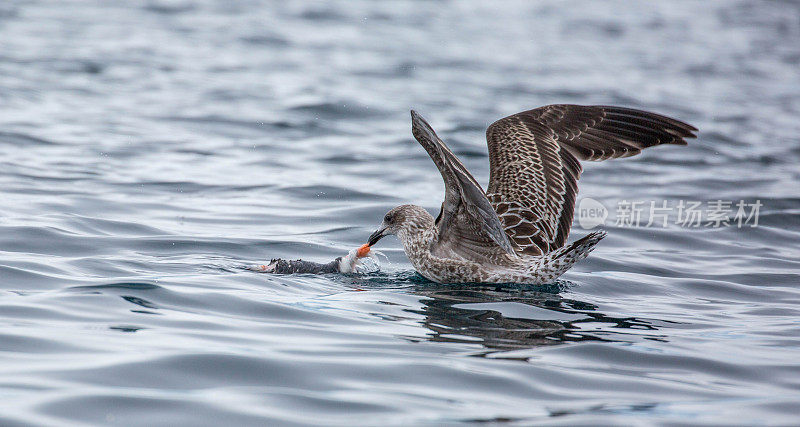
x=150 y=156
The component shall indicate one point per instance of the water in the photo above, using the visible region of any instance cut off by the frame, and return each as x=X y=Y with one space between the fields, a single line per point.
x=150 y=150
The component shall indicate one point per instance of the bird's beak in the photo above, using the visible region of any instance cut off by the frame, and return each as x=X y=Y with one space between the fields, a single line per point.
x=377 y=235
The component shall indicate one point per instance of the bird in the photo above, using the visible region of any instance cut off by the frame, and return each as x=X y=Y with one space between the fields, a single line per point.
x=516 y=230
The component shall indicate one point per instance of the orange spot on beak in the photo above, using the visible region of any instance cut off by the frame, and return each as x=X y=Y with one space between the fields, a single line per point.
x=363 y=250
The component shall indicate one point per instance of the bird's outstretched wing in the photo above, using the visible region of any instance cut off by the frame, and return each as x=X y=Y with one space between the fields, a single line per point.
x=534 y=168
x=467 y=224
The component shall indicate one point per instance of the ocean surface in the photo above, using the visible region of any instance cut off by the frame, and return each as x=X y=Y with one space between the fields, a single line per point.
x=151 y=150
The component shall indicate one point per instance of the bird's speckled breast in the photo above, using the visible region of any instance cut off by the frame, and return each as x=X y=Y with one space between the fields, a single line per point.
x=451 y=270
x=522 y=269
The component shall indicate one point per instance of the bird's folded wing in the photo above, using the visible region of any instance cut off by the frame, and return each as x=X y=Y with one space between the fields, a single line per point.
x=467 y=224
x=534 y=168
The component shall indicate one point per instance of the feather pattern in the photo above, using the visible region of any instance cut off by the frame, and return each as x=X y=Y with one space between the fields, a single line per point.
x=467 y=220
x=517 y=232
x=534 y=168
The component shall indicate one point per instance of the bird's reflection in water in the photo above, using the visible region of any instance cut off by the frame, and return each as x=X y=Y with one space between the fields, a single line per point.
x=511 y=318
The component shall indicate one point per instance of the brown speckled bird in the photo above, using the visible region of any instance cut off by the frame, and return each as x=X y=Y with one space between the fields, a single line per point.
x=517 y=230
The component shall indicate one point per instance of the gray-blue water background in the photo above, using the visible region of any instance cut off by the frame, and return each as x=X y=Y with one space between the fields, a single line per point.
x=150 y=149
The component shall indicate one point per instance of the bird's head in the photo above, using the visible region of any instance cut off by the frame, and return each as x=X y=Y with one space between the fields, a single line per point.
x=403 y=221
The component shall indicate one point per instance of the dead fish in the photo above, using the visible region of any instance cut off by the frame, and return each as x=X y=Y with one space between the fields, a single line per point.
x=359 y=261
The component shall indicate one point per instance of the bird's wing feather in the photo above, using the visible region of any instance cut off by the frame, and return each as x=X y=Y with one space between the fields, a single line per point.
x=467 y=224
x=534 y=168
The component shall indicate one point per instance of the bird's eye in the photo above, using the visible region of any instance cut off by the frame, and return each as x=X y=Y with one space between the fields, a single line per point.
x=388 y=218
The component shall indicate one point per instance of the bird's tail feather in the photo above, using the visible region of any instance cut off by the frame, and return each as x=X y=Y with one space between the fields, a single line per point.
x=562 y=259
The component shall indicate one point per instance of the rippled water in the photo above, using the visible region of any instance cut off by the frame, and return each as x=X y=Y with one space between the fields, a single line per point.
x=150 y=150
